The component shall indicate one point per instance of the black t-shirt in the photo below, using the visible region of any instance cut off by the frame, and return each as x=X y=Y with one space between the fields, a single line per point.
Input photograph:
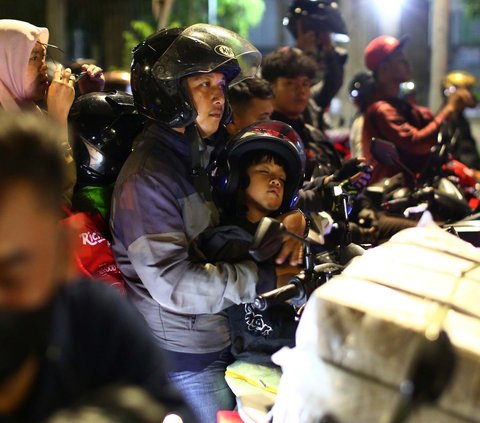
x=96 y=340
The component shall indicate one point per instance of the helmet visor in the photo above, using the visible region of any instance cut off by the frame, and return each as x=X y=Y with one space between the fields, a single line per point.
x=203 y=48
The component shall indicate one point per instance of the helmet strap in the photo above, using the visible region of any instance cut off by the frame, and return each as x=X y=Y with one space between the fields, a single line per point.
x=199 y=173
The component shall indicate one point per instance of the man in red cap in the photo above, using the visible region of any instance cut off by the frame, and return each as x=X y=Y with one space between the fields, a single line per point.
x=412 y=128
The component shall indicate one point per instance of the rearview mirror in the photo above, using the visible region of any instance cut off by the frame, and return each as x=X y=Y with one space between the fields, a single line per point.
x=384 y=152
x=267 y=240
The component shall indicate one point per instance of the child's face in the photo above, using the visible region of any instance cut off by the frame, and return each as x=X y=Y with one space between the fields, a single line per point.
x=265 y=191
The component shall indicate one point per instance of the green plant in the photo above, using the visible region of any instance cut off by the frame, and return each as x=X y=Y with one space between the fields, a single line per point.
x=237 y=15
x=140 y=31
x=240 y=16
x=472 y=8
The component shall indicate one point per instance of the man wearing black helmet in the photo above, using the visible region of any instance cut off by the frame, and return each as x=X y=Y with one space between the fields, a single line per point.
x=162 y=202
x=312 y=23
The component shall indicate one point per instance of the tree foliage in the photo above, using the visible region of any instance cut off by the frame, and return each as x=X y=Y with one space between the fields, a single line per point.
x=140 y=30
x=237 y=15
x=472 y=8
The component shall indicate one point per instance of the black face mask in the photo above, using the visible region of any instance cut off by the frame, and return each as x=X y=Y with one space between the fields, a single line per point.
x=22 y=334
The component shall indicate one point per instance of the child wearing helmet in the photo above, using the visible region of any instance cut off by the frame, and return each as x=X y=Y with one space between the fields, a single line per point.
x=268 y=141
x=257 y=174
x=162 y=202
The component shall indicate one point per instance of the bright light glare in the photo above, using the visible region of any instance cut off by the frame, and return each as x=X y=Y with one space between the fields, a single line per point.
x=340 y=38
x=388 y=8
x=172 y=418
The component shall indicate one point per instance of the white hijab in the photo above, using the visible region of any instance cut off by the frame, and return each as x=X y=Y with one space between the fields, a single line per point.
x=17 y=39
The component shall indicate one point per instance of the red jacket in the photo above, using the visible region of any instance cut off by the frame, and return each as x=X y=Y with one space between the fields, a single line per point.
x=412 y=128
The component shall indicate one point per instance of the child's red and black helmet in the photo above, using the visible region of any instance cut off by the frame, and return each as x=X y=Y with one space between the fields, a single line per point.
x=269 y=137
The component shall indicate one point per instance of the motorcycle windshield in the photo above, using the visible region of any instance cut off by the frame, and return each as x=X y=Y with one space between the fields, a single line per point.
x=203 y=48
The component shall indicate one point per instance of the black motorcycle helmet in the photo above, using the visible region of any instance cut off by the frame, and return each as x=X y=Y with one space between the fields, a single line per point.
x=361 y=88
x=270 y=137
x=161 y=63
x=104 y=125
x=315 y=15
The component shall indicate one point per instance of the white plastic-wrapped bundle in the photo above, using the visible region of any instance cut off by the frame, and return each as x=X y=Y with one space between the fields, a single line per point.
x=363 y=333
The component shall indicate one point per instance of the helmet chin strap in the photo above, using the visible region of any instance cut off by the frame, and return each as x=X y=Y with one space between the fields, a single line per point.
x=200 y=176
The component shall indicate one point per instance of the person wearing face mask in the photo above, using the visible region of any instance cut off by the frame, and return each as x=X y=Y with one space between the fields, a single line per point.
x=60 y=339
x=24 y=80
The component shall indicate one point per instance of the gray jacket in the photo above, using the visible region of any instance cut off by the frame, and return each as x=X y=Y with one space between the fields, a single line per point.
x=156 y=214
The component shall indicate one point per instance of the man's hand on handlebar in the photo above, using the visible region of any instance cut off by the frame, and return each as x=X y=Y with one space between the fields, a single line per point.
x=354 y=175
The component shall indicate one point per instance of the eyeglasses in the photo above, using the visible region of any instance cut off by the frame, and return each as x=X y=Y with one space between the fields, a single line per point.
x=49 y=58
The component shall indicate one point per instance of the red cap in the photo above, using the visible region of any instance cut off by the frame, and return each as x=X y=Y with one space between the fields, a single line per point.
x=380 y=48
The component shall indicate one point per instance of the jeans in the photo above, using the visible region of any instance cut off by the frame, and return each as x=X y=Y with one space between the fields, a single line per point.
x=205 y=391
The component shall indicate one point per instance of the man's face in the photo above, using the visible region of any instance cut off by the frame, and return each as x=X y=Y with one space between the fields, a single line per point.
x=256 y=110
x=208 y=94
x=265 y=191
x=291 y=95
x=36 y=77
x=32 y=249
x=398 y=67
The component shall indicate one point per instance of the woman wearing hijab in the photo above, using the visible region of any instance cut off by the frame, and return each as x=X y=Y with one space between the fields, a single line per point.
x=24 y=79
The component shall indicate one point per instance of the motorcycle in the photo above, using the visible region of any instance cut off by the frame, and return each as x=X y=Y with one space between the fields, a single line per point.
x=255 y=385
x=433 y=190
x=320 y=263
x=429 y=373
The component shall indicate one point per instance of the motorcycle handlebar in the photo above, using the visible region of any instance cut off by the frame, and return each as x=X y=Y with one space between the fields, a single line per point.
x=398 y=204
x=294 y=290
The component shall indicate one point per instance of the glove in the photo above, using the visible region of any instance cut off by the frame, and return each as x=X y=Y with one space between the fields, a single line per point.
x=357 y=170
x=348 y=169
x=353 y=176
